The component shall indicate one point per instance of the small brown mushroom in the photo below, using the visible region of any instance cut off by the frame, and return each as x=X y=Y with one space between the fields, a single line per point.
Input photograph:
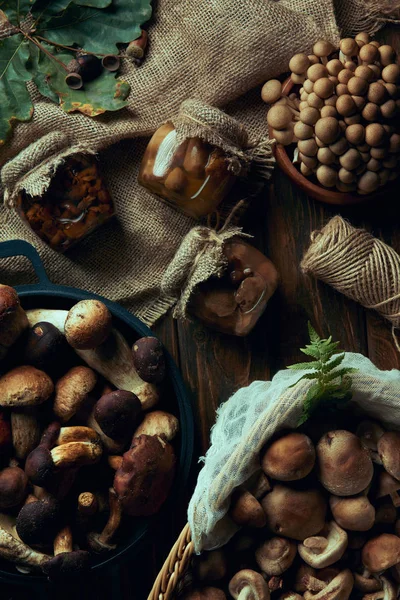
x=381 y=553
x=279 y=117
x=210 y=567
x=44 y=346
x=88 y=324
x=67 y=562
x=299 y=63
x=248 y=585
x=366 y=583
x=145 y=477
x=389 y=452
x=158 y=422
x=271 y=91
x=294 y=513
x=289 y=458
x=38 y=522
x=72 y=390
x=345 y=467
x=326 y=548
x=13 y=487
x=99 y=542
x=246 y=510
x=25 y=386
x=13 y=320
x=370 y=432
x=276 y=555
x=149 y=359
x=389 y=486
x=355 y=514
x=339 y=588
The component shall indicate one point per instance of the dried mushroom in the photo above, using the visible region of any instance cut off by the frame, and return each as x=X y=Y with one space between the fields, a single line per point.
x=326 y=548
x=289 y=458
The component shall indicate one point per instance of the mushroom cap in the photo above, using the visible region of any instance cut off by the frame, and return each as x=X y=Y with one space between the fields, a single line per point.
x=355 y=514
x=149 y=359
x=338 y=588
x=72 y=390
x=25 y=386
x=88 y=324
x=144 y=479
x=117 y=413
x=158 y=422
x=206 y=593
x=210 y=566
x=246 y=509
x=349 y=47
x=289 y=458
x=67 y=564
x=366 y=584
x=299 y=63
x=279 y=116
x=9 y=301
x=271 y=91
x=43 y=345
x=276 y=555
x=39 y=466
x=345 y=466
x=387 y=486
x=13 y=487
x=322 y=48
x=38 y=522
x=294 y=513
x=381 y=553
x=251 y=580
x=327 y=129
x=389 y=452
x=325 y=549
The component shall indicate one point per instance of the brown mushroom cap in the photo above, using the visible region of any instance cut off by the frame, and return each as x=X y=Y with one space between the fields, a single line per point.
x=13 y=487
x=289 y=458
x=88 y=324
x=246 y=510
x=38 y=522
x=389 y=452
x=294 y=513
x=345 y=466
x=355 y=514
x=271 y=91
x=381 y=553
x=149 y=359
x=118 y=413
x=9 y=301
x=389 y=486
x=25 y=386
x=72 y=390
x=276 y=555
x=145 y=477
x=67 y=564
x=210 y=567
x=337 y=588
x=158 y=422
x=299 y=63
x=253 y=582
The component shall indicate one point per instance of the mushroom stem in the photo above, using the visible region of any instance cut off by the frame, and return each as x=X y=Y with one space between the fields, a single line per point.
x=114 y=519
x=76 y=454
x=17 y=552
x=25 y=432
x=78 y=433
x=115 y=462
x=87 y=505
x=63 y=541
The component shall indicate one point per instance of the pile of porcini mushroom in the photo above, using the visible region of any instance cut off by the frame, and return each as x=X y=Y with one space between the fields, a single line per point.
x=81 y=445
x=319 y=521
x=345 y=115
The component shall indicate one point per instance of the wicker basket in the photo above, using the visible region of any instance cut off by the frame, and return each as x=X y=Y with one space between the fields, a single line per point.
x=175 y=565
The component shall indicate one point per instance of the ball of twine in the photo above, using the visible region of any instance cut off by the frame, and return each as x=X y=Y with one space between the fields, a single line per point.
x=358 y=265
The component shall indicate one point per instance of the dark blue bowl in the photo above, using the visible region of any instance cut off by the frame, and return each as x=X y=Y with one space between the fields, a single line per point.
x=175 y=398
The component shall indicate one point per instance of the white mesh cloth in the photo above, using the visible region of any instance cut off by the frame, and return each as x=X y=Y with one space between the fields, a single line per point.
x=250 y=417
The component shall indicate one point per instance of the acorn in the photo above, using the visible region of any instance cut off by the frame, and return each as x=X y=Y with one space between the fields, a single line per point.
x=136 y=48
x=74 y=81
x=111 y=62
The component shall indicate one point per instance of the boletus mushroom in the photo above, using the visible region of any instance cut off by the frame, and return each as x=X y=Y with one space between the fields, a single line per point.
x=248 y=585
x=44 y=346
x=99 y=542
x=72 y=390
x=144 y=479
x=289 y=458
x=25 y=386
x=88 y=324
x=297 y=514
x=13 y=487
x=38 y=522
x=13 y=319
x=66 y=562
x=158 y=422
x=325 y=549
x=17 y=552
x=381 y=553
x=355 y=514
x=345 y=466
x=149 y=359
x=276 y=555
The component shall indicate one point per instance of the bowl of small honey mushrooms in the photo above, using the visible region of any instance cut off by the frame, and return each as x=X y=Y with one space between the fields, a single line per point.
x=319 y=521
x=85 y=446
x=340 y=111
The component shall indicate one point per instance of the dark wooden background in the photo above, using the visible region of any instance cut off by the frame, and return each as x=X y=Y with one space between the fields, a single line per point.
x=214 y=366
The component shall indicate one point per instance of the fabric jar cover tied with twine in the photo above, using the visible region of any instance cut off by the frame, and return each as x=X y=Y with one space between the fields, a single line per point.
x=33 y=169
x=358 y=265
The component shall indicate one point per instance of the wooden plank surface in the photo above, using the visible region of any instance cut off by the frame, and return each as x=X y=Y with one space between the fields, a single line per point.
x=214 y=365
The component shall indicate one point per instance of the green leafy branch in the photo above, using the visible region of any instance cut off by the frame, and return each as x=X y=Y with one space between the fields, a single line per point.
x=332 y=383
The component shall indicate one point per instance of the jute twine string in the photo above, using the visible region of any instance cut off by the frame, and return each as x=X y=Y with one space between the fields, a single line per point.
x=359 y=266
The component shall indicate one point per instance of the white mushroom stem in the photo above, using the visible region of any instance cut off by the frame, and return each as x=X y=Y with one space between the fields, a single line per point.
x=76 y=454
x=63 y=541
x=113 y=359
x=77 y=433
x=17 y=552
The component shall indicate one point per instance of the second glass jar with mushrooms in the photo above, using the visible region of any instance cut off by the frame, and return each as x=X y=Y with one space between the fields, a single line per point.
x=193 y=176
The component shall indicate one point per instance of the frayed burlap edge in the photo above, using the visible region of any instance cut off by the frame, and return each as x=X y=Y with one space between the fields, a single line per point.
x=366 y=15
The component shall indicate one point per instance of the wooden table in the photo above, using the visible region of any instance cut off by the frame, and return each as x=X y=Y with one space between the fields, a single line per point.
x=214 y=366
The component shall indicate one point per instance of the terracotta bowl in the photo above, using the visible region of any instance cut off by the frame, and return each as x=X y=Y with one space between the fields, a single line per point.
x=312 y=189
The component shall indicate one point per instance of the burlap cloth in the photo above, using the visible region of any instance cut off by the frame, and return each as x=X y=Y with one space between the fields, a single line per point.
x=215 y=51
